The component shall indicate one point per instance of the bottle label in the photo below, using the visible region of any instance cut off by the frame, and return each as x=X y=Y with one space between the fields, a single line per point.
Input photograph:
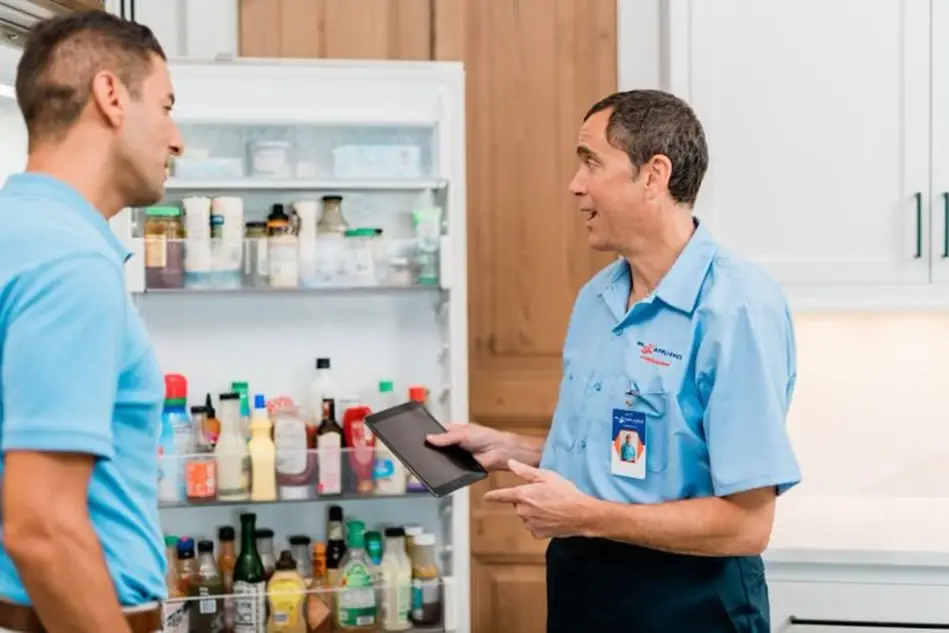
x=286 y=602
x=424 y=592
x=330 y=464
x=156 y=253
x=250 y=608
x=357 y=598
x=290 y=441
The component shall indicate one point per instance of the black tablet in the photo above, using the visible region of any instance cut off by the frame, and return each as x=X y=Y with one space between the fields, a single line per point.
x=441 y=469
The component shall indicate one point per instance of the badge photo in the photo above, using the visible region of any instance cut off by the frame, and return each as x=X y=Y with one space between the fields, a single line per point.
x=628 y=446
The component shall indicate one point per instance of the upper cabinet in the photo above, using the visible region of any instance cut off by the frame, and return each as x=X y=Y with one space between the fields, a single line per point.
x=823 y=120
x=196 y=29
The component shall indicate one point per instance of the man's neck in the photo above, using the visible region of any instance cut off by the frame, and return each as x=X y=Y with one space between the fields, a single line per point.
x=85 y=172
x=648 y=267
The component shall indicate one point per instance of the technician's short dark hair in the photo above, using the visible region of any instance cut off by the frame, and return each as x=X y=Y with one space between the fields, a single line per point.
x=644 y=123
x=62 y=56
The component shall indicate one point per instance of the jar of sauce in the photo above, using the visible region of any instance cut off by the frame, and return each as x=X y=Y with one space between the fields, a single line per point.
x=164 y=248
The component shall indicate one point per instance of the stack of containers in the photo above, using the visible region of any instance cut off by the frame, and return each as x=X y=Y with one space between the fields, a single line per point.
x=227 y=241
x=198 y=244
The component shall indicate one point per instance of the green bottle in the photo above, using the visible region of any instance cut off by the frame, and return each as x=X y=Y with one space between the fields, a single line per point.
x=356 y=605
x=250 y=586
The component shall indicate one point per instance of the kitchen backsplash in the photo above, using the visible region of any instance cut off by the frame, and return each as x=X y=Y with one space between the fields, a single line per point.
x=870 y=415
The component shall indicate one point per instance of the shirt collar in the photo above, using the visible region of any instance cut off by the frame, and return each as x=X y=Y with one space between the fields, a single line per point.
x=679 y=288
x=45 y=186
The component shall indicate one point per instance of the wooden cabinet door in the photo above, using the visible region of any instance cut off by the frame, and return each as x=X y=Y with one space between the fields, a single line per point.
x=818 y=179
x=533 y=68
x=77 y=5
x=341 y=29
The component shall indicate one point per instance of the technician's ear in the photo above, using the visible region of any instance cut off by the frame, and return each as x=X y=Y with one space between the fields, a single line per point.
x=110 y=97
x=657 y=172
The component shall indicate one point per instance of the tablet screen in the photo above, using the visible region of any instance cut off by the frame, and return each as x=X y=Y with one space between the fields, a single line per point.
x=403 y=429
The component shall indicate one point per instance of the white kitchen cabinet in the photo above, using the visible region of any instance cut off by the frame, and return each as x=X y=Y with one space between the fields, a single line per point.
x=187 y=29
x=847 y=628
x=819 y=116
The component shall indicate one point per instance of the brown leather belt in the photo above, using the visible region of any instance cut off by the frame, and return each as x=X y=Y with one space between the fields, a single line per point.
x=22 y=618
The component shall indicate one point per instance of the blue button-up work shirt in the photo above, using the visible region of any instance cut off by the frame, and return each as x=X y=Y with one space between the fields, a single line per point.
x=707 y=362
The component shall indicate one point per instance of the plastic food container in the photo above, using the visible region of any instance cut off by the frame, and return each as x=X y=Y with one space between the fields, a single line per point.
x=271 y=159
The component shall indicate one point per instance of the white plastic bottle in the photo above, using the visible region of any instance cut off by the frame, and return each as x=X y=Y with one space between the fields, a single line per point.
x=323 y=386
x=388 y=472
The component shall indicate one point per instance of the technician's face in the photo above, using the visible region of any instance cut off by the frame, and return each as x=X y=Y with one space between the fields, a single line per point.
x=610 y=192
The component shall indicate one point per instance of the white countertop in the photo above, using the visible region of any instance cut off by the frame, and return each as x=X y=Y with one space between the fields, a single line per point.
x=861 y=530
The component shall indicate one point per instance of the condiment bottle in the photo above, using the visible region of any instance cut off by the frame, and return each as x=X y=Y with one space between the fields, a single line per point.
x=206 y=588
x=175 y=612
x=356 y=601
x=225 y=564
x=319 y=614
x=389 y=475
x=287 y=595
x=426 y=583
x=231 y=452
x=396 y=582
x=335 y=550
x=329 y=438
x=263 y=454
x=300 y=548
x=331 y=217
x=186 y=567
x=211 y=426
x=256 y=256
x=265 y=549
x=360 y=448
x=296 y=464
x=250 y=608
x=282 y=243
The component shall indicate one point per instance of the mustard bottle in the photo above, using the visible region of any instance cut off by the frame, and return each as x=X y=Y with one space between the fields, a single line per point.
x=263 y=454
x=286 y=593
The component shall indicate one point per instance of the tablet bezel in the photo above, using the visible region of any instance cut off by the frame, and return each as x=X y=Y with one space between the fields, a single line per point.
x=466 y=479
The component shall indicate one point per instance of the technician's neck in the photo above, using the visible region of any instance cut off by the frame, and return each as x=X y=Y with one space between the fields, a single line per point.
x=649 y=264
x=83 y=172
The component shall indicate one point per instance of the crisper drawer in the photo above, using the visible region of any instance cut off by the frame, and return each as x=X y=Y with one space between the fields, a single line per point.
x=822 y=607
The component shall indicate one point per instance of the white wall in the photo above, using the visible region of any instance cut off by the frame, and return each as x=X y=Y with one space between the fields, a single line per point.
x=12 y=139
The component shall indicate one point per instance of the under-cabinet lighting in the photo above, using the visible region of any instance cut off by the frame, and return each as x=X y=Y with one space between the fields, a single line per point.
x=7 y=92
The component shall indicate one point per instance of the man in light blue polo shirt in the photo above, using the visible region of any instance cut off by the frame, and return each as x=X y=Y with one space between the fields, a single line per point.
x=80 y=388
x=686 y=347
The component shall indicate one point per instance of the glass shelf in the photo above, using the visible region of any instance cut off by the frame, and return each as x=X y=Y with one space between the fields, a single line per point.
x=178 y=610
x=216 y=152
x=326 y=290
x=314 y=499
x=334 y=185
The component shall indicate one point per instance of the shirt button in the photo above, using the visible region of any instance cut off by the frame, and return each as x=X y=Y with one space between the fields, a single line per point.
x=583 y=444
x=598 y=386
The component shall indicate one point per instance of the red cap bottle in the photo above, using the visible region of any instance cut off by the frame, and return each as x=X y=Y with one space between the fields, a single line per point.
x=176 y=387
x=418 y=394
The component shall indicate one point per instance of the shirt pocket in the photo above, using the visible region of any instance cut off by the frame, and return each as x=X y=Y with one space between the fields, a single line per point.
x=655 y=405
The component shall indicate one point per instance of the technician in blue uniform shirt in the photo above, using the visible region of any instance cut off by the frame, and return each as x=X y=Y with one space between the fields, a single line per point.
x=690 y=348
x=80 y=388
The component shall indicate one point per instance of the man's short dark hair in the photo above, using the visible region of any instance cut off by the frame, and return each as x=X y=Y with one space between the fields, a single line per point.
x=62 y=56
x=644 y=123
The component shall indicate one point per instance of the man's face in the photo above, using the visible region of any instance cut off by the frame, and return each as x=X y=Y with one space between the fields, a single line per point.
x=609 y=191
x=147 y=138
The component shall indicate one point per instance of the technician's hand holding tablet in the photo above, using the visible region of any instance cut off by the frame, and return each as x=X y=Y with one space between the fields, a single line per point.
x=548 y=504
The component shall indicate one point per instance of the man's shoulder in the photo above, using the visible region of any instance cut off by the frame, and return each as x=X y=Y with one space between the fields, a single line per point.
x=734 y=284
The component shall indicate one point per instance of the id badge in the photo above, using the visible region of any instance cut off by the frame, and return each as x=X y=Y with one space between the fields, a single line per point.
x=628 y=450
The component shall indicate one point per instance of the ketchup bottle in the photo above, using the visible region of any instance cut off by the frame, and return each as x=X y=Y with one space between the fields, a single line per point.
x=361 y=448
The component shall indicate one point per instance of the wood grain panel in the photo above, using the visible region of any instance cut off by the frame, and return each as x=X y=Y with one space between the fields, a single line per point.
x=341 y=29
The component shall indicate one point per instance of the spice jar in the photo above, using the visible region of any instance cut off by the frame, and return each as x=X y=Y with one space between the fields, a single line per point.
x=282 y=241
x=256 y=259
x=331 y=218
x=426 y=584
x=360 y=256
x=164 y=248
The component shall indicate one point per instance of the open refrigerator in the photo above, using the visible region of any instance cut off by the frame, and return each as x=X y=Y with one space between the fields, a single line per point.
x=235 y=284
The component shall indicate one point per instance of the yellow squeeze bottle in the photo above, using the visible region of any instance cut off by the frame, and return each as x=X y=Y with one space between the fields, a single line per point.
x=263 y=454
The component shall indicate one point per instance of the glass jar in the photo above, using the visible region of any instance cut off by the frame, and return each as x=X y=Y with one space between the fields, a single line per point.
x=361 y=256
x=256 y=261
x=331 y=218
x=164 y=248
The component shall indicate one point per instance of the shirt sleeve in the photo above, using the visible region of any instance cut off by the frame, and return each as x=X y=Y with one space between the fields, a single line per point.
x=61 y=357
x=747 y=369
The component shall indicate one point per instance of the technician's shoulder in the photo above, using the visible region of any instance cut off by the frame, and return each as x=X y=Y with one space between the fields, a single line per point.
x=735 y=288
x=36 y=232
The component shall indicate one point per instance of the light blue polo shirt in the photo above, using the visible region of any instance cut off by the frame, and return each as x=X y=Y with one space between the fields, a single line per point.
x=706 y=364
x=78 y=374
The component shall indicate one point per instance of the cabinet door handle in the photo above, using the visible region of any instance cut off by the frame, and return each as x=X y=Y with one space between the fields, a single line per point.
x=945 y=224
x=919 y=225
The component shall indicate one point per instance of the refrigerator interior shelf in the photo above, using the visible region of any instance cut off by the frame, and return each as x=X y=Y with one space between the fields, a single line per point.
x=330 y=184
